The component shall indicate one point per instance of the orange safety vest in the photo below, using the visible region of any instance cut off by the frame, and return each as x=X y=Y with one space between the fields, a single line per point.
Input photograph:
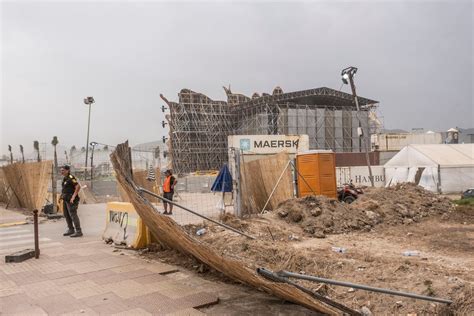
x=167 y=184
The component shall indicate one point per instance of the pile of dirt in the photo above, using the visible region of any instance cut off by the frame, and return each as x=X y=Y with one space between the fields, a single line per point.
x=403 y=204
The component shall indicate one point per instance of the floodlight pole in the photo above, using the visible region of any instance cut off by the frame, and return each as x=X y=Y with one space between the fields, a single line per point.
x=350 y=72
x=88 y=101
x=93 y=144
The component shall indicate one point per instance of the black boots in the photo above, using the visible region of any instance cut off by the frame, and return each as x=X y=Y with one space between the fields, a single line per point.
x=77 y=234
x=73 y=234
x=69 y=232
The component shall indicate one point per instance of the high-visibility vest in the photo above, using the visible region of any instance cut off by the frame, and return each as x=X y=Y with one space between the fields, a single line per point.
x=167 y=184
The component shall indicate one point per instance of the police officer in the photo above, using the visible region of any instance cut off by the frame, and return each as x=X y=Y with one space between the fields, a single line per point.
x=70 y=197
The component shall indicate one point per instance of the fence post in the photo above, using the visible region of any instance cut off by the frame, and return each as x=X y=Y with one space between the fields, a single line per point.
x=36 y=233
x=238 y=195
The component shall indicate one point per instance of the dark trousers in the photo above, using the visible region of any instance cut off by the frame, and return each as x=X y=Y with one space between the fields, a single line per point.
x=70 y=213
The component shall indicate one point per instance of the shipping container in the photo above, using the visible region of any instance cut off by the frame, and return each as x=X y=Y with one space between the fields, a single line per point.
x=356 y=159
x=268 y=144
x=396 y=141
x=360 y=176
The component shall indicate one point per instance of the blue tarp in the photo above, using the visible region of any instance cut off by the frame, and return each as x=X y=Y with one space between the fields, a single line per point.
x=223 y=182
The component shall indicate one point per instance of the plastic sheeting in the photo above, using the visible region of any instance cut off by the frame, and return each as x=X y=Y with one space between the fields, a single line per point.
x=456 y=179
x=429 y=179
x=223 y=182
x=397 y=175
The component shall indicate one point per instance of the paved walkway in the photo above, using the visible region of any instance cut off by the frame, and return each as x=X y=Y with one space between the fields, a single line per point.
x=85 y=276
x=8 y=217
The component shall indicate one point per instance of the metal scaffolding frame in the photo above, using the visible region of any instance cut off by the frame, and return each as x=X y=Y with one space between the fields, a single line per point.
x=199 y=126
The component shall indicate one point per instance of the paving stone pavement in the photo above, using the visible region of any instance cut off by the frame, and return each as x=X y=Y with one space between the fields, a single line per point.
x=85 y=277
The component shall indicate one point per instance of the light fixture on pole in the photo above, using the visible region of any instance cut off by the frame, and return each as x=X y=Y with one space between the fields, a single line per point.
x=88 y=101
x=348 y=78
x=93 y=144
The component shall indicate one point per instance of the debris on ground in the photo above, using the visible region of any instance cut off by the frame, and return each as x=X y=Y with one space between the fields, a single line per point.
x=284 y=243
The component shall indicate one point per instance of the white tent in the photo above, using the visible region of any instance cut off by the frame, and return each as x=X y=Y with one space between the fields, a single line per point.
x=444 y=168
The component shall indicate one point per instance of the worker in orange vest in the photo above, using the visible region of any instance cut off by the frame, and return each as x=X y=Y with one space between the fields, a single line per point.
x=168 y=191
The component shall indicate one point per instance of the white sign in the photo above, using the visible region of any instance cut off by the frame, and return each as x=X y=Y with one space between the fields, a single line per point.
x=269 y=144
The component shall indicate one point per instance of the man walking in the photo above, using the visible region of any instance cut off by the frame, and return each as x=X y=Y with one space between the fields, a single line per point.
x=70 y=197
x=168 y=191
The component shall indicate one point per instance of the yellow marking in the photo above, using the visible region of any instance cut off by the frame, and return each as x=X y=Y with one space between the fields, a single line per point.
x=12 y=224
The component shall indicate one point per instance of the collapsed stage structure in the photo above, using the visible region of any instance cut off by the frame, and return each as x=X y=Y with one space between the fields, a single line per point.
x=199 y=126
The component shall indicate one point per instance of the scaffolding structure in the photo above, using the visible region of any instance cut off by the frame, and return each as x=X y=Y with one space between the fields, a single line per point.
x=199 y=126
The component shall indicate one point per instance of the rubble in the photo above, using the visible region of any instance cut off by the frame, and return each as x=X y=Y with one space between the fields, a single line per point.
x=403 y=204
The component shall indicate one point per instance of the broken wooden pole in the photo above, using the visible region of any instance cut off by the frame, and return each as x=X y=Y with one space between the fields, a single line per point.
x=195 y=213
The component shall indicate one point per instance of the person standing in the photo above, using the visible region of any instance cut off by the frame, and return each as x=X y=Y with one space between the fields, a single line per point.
x=70 y=197
x=168 y=191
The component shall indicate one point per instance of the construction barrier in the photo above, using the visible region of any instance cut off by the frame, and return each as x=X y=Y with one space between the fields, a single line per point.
x=124 y=226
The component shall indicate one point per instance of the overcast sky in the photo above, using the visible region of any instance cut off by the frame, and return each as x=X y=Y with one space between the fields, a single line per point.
x=416 y=58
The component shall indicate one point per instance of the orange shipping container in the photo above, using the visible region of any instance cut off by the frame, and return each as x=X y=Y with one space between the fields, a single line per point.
x=316 y=173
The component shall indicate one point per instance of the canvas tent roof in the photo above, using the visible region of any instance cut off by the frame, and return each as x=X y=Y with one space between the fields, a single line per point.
x=444 y=155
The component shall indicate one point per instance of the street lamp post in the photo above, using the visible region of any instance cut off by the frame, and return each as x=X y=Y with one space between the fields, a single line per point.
x=88 y=101
x=348 y=78
x=93 y=144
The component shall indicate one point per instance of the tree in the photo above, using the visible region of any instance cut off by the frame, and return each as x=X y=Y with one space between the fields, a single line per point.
x=72 y=150
x=22 y=154
x=37 y=148
x=65 y=154
x=55 y=142
x=83 y=149
x=71 y=153
x=106 y=147
x=11 y=154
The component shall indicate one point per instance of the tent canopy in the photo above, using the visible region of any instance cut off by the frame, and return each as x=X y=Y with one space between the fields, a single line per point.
x=445 y=168
x=443 y=155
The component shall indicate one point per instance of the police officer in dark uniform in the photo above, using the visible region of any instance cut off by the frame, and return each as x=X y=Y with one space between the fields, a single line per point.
x=70 y=197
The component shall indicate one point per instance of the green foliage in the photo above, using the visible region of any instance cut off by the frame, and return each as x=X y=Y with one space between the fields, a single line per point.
x=468 y=201
x=55 y=141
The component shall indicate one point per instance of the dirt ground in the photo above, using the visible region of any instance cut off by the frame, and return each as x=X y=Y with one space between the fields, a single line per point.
x=374 y=232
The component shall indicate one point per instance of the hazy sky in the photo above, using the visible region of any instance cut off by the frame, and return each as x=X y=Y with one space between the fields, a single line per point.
x=416 y=58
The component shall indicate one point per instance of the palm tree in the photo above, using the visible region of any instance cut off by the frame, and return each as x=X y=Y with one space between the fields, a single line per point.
x=72 y=150
x=55 y=142
x=37 y=148
x=71 y=153
x=22 y=154
x=11 y=154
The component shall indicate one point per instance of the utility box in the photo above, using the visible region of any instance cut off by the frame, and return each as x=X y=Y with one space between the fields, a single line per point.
x=316 y=173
